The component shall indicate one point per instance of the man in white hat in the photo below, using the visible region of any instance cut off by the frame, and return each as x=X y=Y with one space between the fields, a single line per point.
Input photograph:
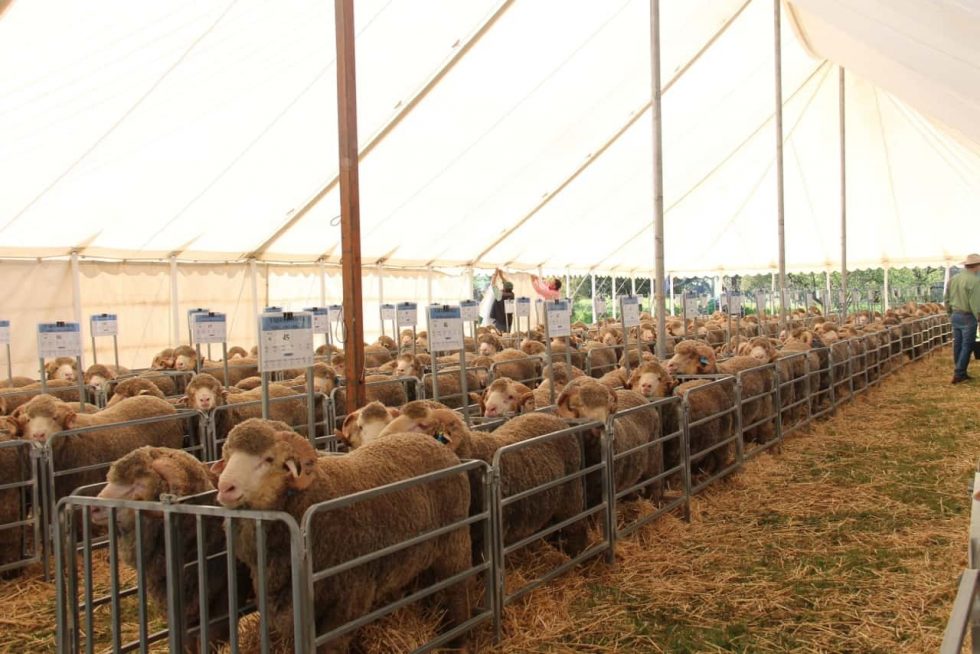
x=963 y=306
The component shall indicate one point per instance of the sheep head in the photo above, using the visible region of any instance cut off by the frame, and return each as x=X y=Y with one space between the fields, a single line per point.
x=44 y=416
x=261 y=463
x=185 y=358
x=651 y=380
x=504 y=396
x=585 y=398
x=62 y=368
x=692 y=358
x=364 y=425
x=146 y=473
x=204 y=393
x=131 y=388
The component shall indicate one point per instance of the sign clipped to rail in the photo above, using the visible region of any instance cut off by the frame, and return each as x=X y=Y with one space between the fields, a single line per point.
x=733 y=304
x=285 y=341
x=210 y=327
x=104 y=324
x=335 y=313
x=445 y=328
x=59 y=339
x=509 y=306
x=387 y=311
x=469 y=310
x=4 y=332
x=407 y=314
x=691 y=306
x=522 y=307
x=559 y=318
x=599 y=305
x=629 y=306
x=321 y=319
x=761 y=300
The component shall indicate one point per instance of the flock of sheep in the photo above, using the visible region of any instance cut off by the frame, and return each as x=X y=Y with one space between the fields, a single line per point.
x=271 y=464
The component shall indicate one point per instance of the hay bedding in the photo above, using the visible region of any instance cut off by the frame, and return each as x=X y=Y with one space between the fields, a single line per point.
x=849 y=540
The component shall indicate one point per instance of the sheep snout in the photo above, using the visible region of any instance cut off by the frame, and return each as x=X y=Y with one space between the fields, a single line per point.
x=241 y=474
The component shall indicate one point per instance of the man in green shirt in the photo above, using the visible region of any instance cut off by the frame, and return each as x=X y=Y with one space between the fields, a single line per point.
x=963 y=307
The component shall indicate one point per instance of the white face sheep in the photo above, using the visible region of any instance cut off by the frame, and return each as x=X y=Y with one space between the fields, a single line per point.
x=505 y=396
x=365 y=424
x=651 y=381
x=65 y=368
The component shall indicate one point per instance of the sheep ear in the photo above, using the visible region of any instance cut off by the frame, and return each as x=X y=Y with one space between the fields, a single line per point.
x=348 y=421
x=218 y=466
x=527 y=404
x=183 y=401
x=393 y=412
x=301 y=460
x=68 y=418
x=476 y=398
x=171 y=473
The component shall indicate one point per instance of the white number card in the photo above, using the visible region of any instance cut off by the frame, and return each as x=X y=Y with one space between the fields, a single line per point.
x=559 y=318
x=445 y=329
x=629 y=306
x=335 y=313
x=321 y=319
x=508 y=306
x=522 y=307
x=691 y=306
x=387 y=311
x=285 y=341
x=104 y=324
x=209 y=327
x=856 y=296
x=469 y=310
x=599 y=304
x=4 y=332
x=59 y=339
x=407 y=313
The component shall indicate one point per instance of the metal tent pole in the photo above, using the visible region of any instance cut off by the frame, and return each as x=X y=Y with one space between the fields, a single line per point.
x=174 y=304
x=323 y=284
x=350 y=213
x=780 y=208
x=595 y=317
x=884 y=299
x=843 y=192
x=658 y=302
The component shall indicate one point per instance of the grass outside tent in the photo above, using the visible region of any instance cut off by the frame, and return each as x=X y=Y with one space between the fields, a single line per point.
x=848 y=540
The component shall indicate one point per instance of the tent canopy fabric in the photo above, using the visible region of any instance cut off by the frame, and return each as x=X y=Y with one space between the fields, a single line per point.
x=493 y=132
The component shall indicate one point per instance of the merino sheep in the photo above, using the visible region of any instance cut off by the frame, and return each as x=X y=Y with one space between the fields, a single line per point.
x=588 y=399
x=651 y=380
x=144 y=475
x=205 y=393
x=98 y=374
x=694 y=358
x=518 y=366
x=10 y=399
x=17 y=382
x=132 y=387
x=263 y=468
x=600 y=358
x=376 y=355
x=520 y=471
x=504 y=396
x=164 y=359
x=45 y=416
x=243 y=367
x=363 y=426
x=65 y=368
x=449 y=386
x=15 y=466
x=237 y=352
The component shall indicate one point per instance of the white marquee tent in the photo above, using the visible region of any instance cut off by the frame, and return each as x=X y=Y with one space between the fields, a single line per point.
x=185 y=151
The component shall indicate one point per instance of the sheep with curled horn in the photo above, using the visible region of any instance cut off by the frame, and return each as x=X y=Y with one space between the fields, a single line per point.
x=266 y=468
x=521 y=470
x=144 y=475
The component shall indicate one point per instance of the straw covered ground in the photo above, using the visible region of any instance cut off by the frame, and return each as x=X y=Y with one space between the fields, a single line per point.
x=848 y=540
